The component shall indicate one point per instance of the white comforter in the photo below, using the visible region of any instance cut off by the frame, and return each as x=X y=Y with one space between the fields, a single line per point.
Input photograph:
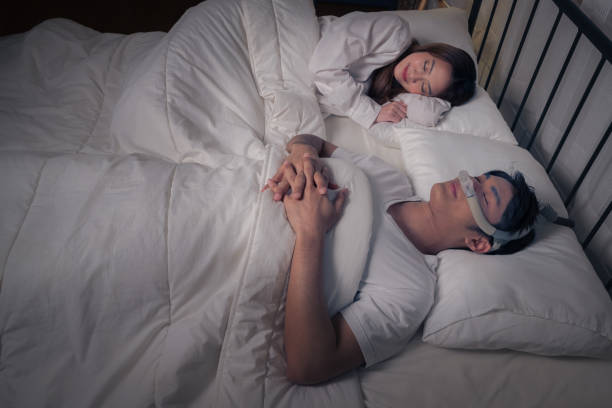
x=141 y=265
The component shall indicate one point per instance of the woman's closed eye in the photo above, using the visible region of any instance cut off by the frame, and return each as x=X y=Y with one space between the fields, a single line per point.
x=425 y=88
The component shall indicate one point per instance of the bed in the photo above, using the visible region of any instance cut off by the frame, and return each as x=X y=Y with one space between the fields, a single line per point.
x=143 y=266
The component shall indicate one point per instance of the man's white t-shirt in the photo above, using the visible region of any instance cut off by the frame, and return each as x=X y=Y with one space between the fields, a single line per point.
x=397 y=287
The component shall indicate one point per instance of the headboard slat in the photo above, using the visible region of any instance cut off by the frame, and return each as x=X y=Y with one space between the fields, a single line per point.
x=553 y=91
x=518 y=52
x=572 y=121
x=486 y=33
x=594 y=156
x=501 y=43
x=590 y=30
x=601 y=220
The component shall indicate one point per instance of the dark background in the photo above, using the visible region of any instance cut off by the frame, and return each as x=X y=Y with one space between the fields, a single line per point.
x=128 y=16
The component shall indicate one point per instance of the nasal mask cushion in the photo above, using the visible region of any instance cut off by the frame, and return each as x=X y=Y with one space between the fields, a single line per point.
x=500 y=237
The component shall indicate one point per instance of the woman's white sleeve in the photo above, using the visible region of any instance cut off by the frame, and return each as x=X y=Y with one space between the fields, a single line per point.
x=361 y=42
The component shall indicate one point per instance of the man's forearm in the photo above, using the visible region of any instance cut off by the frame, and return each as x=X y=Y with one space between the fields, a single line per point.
x=310 y=338
x=322 y=148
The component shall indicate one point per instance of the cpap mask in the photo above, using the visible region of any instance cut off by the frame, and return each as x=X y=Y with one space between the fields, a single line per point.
x=500 y=237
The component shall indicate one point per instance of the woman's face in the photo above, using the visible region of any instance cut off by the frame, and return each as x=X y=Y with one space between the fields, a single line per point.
x=422 y=73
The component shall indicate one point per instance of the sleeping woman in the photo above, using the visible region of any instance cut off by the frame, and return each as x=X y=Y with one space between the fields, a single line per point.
x=364 y=60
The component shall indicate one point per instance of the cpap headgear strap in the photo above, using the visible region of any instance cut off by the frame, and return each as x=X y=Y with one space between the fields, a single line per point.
x=501 y=237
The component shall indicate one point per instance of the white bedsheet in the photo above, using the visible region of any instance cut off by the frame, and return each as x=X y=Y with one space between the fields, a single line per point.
x=141 y=265
x=430 y=376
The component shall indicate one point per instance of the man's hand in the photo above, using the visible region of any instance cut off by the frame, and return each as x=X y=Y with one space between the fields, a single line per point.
x=290 y=175
x=314 y=214
x=392 y=112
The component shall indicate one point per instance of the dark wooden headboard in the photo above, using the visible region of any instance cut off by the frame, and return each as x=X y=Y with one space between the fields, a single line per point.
x=586 y=31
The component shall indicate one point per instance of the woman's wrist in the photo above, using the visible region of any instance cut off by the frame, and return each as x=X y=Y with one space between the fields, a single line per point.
x=310 y=142
x=302 y=148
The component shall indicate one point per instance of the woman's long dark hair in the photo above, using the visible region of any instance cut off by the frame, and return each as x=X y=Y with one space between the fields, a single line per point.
x=384 y=86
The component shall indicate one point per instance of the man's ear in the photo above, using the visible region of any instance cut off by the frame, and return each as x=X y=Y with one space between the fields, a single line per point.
x=478 y=243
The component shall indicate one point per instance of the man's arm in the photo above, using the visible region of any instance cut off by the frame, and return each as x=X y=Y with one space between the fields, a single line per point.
x=317 y=347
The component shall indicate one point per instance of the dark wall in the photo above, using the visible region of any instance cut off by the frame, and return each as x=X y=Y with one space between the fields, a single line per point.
x=129 y=16
x=119 y=16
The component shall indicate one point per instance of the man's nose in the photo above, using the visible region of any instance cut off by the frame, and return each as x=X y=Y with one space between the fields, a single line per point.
x=476 y=183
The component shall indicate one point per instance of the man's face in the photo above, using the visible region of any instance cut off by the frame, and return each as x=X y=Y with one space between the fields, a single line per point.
x=493 y=193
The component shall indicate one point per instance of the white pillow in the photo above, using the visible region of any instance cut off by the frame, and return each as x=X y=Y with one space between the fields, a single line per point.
x=424 y=110
x=545 y=299
x=479 y=117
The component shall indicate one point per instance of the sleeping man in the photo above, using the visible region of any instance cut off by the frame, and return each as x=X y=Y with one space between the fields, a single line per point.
x=493 y=212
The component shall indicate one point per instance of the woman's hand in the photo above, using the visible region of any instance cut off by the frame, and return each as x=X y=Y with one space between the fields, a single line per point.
x=392 y=112
x=314 y=214
x=291 y=173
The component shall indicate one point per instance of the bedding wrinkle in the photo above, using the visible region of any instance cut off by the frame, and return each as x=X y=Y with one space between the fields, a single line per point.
x=221 y=370
x=156 y=396
x=25 y=216
x=279 y=300
x=197 y=72
x=520 y=313
x=103 y=88
x=166 y=236
x=276 y=36
x=170 y=130
x=227 y=114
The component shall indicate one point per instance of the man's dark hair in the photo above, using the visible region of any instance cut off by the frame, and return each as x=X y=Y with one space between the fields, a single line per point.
x=520 y=214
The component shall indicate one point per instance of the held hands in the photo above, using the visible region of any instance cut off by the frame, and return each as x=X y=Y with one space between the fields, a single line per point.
x=314 y=214
x=392 y=112
x=291 y=174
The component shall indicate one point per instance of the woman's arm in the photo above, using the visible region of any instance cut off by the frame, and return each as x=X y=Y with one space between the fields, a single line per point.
x=355 y=44
x=320 y=147
x=317 y=347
